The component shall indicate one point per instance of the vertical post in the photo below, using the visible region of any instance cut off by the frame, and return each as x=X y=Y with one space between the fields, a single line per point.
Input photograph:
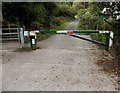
x=111 y=38
x=18 y=31
x=107 y=40
x=97 y=27
x=9 y=30
x=33 y=39
x=21 y=38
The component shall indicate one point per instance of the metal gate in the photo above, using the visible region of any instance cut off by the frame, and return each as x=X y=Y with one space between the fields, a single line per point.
x=108 y=34
x=12 y=33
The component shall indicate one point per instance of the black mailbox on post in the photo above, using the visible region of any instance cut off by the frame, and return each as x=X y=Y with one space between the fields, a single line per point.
x=33 y=39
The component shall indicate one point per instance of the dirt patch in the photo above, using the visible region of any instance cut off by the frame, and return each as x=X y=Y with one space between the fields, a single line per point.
x=109 y=65
x=25 y=49
x=108 y=62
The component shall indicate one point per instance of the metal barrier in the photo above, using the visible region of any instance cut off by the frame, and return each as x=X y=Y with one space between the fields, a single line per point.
x=9 y=33
x=109 y=35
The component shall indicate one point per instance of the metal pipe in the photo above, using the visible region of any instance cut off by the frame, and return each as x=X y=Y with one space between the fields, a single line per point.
x=89 y=40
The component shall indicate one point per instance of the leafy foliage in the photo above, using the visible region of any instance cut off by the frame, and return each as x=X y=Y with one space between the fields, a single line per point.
x=44 y=14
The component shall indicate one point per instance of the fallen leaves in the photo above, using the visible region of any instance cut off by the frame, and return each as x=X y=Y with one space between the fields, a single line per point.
x=109 y=65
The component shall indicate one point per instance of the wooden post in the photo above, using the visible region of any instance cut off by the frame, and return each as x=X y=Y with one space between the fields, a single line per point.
x=21 y=38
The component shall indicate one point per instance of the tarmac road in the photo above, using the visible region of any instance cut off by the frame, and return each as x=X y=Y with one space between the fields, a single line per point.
x=63 y=63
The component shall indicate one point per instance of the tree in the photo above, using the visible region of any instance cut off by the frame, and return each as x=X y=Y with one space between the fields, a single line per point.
x=42 y=13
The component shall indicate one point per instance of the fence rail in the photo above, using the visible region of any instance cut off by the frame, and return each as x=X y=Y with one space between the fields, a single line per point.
x=12 y=33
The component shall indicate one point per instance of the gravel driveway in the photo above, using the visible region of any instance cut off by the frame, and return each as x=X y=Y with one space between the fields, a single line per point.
x=63 y=63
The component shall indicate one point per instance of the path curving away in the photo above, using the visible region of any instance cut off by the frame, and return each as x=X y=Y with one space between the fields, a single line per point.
x=73 y=25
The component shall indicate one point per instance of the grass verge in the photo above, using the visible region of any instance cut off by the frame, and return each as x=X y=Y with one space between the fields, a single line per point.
x=62 y=27
x=25 y=49
x=98 y=37
x=95 y=36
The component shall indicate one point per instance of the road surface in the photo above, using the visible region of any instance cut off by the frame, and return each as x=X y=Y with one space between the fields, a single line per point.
x=63 y=63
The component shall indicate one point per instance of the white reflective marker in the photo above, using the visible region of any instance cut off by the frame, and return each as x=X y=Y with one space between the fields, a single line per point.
x=111 y=37
x=62 y=31
x=103 y=31
x=37 y=31
x=33 y=41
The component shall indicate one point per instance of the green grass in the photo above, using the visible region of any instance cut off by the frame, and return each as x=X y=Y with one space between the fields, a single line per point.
x=24 y=49
x=82 y=28
x=94 y=36
x=62 y=27
x=99 y=37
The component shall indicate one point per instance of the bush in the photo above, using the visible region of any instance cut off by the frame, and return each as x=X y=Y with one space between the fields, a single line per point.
x=91 y=22
x=27 y=39
x=99 y=37
x=56 y=21
x=36 y=25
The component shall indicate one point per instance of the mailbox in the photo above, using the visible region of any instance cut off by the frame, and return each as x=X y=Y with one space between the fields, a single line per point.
x=33 y=39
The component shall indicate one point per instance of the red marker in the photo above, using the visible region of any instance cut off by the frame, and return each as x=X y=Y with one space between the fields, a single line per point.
x=69 y=32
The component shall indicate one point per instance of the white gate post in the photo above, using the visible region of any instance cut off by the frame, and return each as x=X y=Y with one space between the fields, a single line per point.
x=111 y=39
x=21 y=38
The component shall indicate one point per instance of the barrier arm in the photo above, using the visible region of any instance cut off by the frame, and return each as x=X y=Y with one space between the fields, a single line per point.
x=109 y=35
x=94 y=41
